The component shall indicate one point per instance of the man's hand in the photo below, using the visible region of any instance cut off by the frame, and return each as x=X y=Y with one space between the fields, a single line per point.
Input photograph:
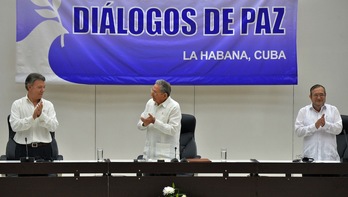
x=38 y=110
x=148 y=120
x=320 y=122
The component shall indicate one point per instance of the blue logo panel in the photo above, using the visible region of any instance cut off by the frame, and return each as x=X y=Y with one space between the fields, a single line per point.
x=137 y=42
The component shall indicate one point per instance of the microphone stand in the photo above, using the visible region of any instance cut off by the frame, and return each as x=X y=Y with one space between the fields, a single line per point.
x=27 y=158
x=174 y=159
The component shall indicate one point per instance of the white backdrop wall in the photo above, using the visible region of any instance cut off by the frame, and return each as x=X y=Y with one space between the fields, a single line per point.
x=251 y=121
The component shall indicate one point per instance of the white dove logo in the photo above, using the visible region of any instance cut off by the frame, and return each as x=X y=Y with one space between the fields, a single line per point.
x=33 y=50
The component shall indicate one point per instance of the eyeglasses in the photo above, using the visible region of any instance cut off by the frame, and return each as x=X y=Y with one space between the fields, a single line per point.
x=319 y=95
x=156 y=93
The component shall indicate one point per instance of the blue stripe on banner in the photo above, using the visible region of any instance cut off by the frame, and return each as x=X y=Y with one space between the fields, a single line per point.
x=222 y=42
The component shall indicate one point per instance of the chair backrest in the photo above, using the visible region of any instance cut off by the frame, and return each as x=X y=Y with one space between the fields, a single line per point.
x=188 y=147
x=11 y=133
x=11 y=144
x=341 y=139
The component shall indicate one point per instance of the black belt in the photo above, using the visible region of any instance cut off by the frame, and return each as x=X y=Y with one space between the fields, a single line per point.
x=36 y=144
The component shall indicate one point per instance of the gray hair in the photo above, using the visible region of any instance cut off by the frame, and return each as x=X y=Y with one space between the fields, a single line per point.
x=164 y=86
x=32 y=77
x=315 y=87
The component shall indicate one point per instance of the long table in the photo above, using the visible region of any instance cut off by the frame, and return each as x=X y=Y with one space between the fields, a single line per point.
x=128 y=178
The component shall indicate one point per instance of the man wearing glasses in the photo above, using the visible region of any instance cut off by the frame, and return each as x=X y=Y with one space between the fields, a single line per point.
x=161 y=120
x=319 y=123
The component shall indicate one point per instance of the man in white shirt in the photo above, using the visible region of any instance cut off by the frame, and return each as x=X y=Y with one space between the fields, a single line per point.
x=319 y=123
x=161 y=120
x=33 y=118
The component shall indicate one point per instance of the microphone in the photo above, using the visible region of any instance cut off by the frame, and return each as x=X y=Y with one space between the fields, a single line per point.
x=26 y=148
x=27 y=158
x=345 y=137
x=174 y=159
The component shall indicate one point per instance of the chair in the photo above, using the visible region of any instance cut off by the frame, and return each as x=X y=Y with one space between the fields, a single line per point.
x=342 y=140
x=188 y=147
x=11 y=145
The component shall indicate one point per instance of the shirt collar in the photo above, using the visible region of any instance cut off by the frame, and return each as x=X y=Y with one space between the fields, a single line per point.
x=26 y=96
x=165 y=103
x=28 y=99
x=321 y=109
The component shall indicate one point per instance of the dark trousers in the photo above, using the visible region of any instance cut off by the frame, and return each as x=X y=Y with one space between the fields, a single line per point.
x=42 y=152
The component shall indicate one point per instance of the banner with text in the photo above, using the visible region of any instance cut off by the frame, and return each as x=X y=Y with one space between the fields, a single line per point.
x=221 y=42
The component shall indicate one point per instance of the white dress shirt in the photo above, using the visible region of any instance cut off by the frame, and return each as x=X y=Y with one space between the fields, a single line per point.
x=163 y=136
x=23 y=123
x=320 y=143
